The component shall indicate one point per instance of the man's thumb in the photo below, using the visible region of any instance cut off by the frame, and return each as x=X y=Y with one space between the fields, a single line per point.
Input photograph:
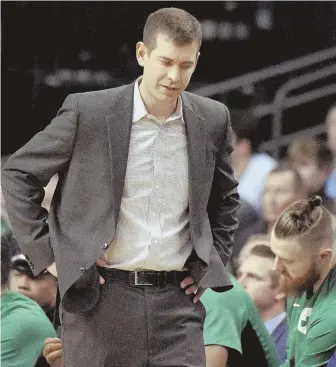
x=101 y=280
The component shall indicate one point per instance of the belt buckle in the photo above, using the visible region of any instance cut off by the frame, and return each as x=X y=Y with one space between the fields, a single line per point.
x=137 y=281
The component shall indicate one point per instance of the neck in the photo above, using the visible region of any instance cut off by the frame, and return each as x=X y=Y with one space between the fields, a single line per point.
x=324 y=274
x=241 y=165
x=270 y=313
x=159 y=109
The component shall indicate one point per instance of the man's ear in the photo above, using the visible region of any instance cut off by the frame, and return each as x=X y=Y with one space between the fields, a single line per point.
x=197 y=57
x=280 y=296
x=141 y=51
x=326 y=253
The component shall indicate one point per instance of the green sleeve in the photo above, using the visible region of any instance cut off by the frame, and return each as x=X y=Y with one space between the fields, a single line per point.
x=223 y=326
x=320 y=343
x=23 y=338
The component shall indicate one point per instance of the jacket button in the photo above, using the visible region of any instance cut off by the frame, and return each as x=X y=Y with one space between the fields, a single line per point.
x=82 y=269
x=105 y=246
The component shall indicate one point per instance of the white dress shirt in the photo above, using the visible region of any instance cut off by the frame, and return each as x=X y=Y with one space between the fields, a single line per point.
x=153 y=227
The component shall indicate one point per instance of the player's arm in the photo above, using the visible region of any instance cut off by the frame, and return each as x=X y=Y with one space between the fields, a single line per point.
x=216 y=356
x=222 y=328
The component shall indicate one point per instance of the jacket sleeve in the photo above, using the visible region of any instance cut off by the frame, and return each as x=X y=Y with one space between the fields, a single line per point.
x=224 y=199
x=26 y=173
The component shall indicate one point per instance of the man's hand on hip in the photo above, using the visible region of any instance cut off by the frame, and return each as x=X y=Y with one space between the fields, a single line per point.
x=190 y=287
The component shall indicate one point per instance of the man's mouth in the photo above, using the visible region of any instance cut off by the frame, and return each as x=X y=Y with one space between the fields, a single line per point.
x=170 y=88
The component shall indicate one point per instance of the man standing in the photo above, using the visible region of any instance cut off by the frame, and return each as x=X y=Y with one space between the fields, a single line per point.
x=145 y=205
x=261 y=282
x=303 y=240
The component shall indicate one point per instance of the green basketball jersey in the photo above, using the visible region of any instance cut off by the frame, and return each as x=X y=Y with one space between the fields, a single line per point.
x=233 y=321
x=312 y=326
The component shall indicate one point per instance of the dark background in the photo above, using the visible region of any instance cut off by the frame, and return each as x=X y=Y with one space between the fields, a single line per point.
x=44 y=44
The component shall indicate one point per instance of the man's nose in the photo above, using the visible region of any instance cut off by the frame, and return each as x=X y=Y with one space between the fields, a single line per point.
x=174 y=74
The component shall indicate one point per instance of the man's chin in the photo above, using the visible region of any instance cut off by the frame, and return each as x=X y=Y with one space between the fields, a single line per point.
x=297 y=286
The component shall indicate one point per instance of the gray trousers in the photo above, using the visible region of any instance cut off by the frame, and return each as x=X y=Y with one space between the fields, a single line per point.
x=136 y=326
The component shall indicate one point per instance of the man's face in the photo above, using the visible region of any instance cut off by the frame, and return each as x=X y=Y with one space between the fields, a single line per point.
x=255 y=276
x=279 y=192
x=167 y=68
x=42 y=289
x=299 y=269
x=313 y=177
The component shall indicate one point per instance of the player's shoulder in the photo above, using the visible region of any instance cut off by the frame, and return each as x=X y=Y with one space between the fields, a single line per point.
x=228 y=299
x=25 y=316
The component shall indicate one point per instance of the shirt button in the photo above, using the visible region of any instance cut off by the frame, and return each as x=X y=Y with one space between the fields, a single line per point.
x=156 y=242
x=82 y=269
x=105 y=246
x=157 y=187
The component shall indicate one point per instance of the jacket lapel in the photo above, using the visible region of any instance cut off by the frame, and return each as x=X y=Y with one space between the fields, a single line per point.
x=196 y=145
x=119 y=125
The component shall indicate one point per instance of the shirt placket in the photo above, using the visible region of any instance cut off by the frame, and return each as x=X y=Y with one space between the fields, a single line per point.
x=155 y=201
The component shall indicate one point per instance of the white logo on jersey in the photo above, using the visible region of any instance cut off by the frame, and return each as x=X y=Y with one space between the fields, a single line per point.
x=303 y=321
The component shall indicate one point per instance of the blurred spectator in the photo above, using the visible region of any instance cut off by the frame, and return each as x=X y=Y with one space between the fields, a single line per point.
x=254 y=240
x=42 y=289
x=24 y=326
x=250 y=167
x=234 y=334
x=331 y=133
x=261 y=282
x=303 y=241
x=314 y=162
x=283 y=186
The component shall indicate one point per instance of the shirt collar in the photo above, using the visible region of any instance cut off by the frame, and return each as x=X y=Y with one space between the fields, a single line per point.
x=140 y=110
x=272 y=324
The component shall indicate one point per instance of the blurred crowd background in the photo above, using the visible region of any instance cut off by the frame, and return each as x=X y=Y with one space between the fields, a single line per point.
x=272 y=63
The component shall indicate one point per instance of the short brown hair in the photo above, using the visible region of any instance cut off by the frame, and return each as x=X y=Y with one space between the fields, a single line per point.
x=312 y=149
x=182 y=27
x=287 y=167
x=308 y=220
x=266 y=252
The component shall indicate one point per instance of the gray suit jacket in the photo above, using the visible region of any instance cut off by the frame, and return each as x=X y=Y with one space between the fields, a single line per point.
x=87 y=144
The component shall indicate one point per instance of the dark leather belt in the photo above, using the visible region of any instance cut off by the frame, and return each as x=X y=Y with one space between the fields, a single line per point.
x=145 y=278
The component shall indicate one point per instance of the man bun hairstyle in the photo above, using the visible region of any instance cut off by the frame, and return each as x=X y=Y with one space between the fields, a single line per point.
x=308 y=220
x=179 y=25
